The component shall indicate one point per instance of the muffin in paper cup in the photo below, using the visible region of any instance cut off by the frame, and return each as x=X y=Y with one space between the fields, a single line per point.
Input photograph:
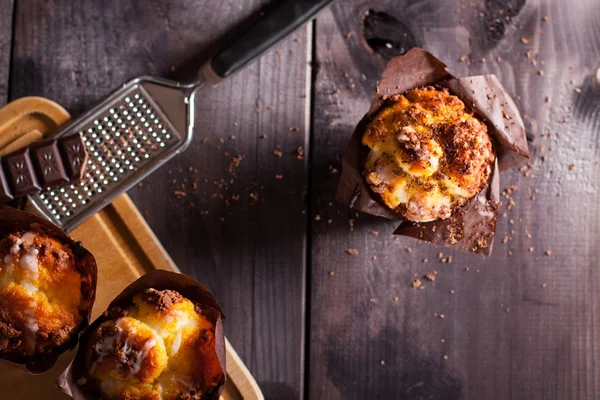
x=47 y=290
x=161 y=338
x=430 y=153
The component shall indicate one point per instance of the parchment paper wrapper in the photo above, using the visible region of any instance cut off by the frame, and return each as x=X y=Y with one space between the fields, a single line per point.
x=187 y=287
x=471 y=227
x=12 y=220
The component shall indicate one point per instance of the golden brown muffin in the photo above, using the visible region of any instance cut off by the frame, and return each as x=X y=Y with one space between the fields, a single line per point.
x=40 y=295
x=428 y=155
x=161 y=347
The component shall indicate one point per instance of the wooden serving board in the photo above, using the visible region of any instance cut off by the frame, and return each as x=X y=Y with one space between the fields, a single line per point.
x=124 y=247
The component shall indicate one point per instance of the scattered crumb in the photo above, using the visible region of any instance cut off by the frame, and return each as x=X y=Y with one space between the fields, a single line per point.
x=425 y=260
x=507 y=310
x=375 y=233
x=382 y=362
x=578 y=90
x=278 y=176
x=445 y=357
x=331 y=273
x=544 y=285
x=374 y=258
x=545 y=19
x=352 y=252
x=548 y=252
x=430 y=276
x=277 y=153
x=572 y=167
x=467 y=268
x=452 y=291
x=396 y=298
x=525 y=40
x=318 y=218
x=442 y=316
x=417 y=283
x=409 y=249
x=531 y=249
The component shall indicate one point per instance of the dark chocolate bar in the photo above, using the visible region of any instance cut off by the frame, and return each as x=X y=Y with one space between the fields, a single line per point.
x=44 y=164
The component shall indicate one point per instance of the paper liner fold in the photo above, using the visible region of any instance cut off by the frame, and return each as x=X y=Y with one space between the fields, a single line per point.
x=74 y=380
x=472 y=226
x=12 y=220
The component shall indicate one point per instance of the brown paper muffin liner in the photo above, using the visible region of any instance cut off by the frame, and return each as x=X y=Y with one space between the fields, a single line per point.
x=472 y=227
x=12 y=220
x=74 y=380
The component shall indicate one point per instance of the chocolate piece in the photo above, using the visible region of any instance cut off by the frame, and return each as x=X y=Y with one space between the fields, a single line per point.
x=48 y=163
x=5 y=193
x=45 y=164
x=473 y=226
x=20 y=173
x=74 y=155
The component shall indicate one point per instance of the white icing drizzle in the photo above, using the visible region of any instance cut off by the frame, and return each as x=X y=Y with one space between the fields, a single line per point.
x=141 y=355
x=176 y=344
x=124 y=332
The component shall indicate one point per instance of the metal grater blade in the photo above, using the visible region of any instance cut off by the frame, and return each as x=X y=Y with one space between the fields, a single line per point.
x=127 y=137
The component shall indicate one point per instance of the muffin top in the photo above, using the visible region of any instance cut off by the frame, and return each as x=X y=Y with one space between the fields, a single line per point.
x=428 y=155
x=40 y=295
x=161 y=347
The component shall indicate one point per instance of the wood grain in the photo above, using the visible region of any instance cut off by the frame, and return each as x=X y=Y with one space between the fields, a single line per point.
x=6 y=20
x=519 y=324
x=240 y=230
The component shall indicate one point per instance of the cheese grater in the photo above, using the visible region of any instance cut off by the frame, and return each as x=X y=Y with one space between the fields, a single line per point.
x=148 y=120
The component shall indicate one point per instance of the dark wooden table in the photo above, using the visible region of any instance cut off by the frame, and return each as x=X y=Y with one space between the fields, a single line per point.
x=249 y=208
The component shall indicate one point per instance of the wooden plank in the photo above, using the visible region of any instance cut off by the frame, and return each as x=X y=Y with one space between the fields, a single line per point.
x=521 y=326
x=6 y=20
x=238 y=229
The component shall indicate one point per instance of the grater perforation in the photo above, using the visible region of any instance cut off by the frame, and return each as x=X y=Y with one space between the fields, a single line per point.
x=130 y=136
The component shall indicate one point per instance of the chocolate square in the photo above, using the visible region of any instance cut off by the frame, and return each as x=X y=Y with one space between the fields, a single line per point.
x=5 y=193
x=74 y=155
x=49 y=165
x=20 y=173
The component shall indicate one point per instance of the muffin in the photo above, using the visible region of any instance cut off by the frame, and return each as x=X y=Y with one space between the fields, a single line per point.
x=157 y=345
x=428 y=156
x=47 y=286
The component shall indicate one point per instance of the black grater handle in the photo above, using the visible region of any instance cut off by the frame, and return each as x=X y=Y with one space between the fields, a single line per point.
x=270 y=29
